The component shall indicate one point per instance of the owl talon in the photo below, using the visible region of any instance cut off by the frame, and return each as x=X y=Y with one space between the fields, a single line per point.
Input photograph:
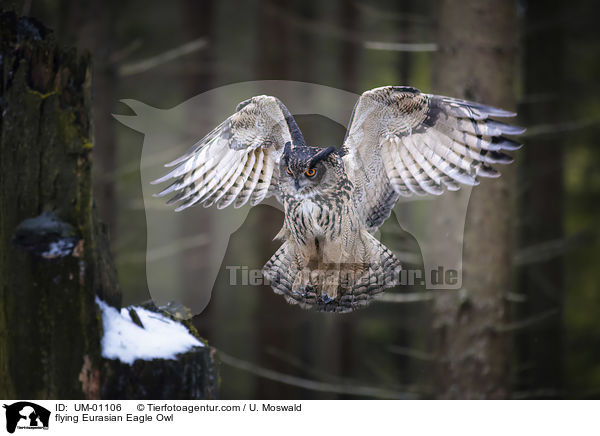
x=304 y=290
x=326 y=298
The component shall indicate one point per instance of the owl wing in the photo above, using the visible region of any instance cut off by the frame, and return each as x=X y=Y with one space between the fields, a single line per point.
x=402 y=142
x=237 y=161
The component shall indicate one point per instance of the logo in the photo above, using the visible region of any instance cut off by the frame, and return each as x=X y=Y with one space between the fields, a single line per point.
x=26 y=415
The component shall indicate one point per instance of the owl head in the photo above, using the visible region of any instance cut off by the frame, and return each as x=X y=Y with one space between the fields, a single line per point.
x=309 y=170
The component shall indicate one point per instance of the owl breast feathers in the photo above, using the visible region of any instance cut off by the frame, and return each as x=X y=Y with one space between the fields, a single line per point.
x=400 y=142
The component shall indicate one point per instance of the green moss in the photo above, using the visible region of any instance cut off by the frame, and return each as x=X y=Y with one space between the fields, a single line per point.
x=42 y=96
x=67 y=127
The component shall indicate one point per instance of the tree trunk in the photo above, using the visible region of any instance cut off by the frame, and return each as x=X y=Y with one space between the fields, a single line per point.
x=541 y=200
x=476 y=61
x=54 y=256
x=91 y=26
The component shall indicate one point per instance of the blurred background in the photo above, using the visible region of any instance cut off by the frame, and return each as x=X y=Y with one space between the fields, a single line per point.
x=163 y=53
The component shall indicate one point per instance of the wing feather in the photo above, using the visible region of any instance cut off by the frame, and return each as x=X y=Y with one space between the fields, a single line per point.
x=197 y=191
x=403 y=170
x=392 y=171
x=421 y=144
x=264 y=182
x=202 y=193
x=236 y=162
x=252 y=181
x=228 y=196
x=227 y=182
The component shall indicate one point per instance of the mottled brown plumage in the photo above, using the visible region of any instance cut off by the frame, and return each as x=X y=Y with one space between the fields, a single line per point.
x=400 y=142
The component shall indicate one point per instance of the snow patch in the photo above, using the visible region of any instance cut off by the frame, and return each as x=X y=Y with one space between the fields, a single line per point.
x=161 y=337
x=59 y=248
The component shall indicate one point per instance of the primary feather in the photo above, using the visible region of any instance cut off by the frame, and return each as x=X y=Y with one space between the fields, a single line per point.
x=421 y=144
x=235 y=162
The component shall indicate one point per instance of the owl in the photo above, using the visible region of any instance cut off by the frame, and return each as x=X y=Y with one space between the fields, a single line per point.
x=400 y=142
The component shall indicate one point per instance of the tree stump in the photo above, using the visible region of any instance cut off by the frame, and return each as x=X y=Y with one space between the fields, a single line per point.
x=54 y=255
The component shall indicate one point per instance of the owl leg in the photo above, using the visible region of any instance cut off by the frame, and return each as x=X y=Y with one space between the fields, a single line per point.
x=304 y=285
x=301 y=282
x=330 y=265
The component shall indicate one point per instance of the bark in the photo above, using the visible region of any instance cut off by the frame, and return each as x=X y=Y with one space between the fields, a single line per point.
x=476 y=61
x=54 y=256
x=91 y=26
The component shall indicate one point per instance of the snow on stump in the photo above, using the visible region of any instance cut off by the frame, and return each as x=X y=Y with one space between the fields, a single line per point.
x=149 y=355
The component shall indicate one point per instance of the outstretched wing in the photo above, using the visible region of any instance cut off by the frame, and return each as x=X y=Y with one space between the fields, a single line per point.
x=237 y=161
x=403 y=142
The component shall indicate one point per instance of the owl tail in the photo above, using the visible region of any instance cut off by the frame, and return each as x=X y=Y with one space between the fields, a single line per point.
x=281 y=271
x=352 y=284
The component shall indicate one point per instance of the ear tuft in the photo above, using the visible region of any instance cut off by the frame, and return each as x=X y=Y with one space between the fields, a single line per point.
x=287 y=148
x=321 y=155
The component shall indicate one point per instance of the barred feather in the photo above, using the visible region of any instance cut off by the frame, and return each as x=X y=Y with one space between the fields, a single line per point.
x=427 y=143
x=434 y=174
x=226 y=183
x=401 y=168
x=235 y=162
x=262 y=187
x=392 y=172
x=230 y=195
x=252 y=181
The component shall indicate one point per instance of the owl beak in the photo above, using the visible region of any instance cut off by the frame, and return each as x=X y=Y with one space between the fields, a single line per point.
x=297 y=184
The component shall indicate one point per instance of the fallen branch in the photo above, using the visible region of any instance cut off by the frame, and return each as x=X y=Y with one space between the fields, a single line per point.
x=528 y=322
x=167 y=250
x=412 y=353
x=154 y=61
x=401 y=46
x=412 y=297
x=567 y=126
x=314 y=385
x=549 y=249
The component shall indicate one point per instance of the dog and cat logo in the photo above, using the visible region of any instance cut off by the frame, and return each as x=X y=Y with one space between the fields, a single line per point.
x=26 y=415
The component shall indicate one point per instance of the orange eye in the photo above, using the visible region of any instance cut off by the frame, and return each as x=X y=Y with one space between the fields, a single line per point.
x=311 y=172
x=288 y=170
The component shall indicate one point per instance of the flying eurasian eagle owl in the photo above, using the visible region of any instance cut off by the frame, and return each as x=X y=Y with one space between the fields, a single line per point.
x=400 y=142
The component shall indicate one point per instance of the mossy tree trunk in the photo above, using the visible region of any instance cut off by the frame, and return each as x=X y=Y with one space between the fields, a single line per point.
x=54 y=257
x=476 y=61
x=48 y=316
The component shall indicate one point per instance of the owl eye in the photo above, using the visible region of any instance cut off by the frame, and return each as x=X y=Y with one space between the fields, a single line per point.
x=288 y=170
x=311 y=172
